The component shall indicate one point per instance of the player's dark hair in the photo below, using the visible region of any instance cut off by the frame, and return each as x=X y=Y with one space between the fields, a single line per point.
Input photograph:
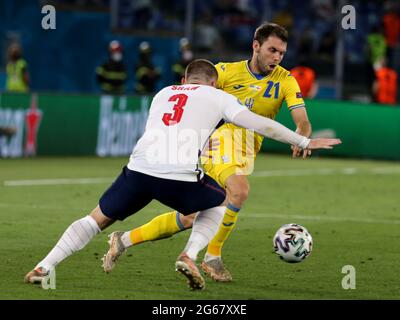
x=201 y=68
x=270 y=29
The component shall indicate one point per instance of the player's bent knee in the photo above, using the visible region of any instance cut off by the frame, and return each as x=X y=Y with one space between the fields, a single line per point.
x=238 y=195
x=101 y=219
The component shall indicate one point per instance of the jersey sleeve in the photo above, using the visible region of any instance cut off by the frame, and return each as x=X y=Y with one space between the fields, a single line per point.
x=221 y=69
x=230 y=106
x=292 y=93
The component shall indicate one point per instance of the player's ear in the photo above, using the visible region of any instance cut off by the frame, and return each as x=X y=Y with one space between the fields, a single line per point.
x=213 y=83
x=183 y=80
x=256 y=45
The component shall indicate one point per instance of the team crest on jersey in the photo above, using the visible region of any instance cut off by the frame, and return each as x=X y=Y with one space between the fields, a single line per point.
x=240 y=102
x=225 y=159
x=238 y=86
x=249 y=102
x=254 y=87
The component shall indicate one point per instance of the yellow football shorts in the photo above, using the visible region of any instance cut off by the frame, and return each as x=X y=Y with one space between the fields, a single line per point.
x=234 y=155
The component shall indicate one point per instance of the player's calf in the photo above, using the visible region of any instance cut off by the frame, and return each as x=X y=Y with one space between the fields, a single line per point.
x=238 y=189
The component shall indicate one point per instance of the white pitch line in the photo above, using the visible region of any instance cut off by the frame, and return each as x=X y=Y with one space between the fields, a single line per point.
x=257 y=174
x=319 y=218
x=43 y=182
x=385 y=170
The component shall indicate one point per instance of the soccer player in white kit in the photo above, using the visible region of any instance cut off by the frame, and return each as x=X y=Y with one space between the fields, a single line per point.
x=164 y=166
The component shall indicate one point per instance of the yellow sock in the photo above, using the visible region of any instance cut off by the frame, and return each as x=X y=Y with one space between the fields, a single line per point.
x=225 y=229
x=162 y=226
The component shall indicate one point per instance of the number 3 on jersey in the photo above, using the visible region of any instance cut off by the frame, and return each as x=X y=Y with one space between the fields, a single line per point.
x=170 y=119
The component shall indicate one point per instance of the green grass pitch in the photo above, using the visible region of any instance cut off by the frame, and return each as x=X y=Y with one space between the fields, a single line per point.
x=350 y=207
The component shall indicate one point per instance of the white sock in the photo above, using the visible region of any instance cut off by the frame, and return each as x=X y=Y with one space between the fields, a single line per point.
x=77 y=236
x=205 y=226
x=126 y=239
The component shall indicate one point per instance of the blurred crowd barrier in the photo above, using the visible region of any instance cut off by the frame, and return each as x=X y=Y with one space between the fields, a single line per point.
x=351 y=122
x=102 y=125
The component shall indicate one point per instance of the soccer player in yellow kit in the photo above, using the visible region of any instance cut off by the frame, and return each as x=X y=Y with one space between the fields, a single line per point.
x=261 y=85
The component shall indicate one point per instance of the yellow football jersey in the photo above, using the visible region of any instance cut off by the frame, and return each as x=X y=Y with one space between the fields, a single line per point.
x=263 y=95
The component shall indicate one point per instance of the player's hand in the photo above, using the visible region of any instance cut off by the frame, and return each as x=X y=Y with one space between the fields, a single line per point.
x=213 y=144
x=297 y=152
x=323 y=143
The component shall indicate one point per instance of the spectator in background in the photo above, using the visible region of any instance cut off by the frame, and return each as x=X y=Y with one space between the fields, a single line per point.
x=385 y=85
x=206 y=34
x=376 y=45
x=142 y=12
x=327 y=45
x=16 y=70
x=284 y=18
x=306 y=78
x=186 y=56
x=391 y=22
x=112 y=74
x=324 y=12
x=147 y=74
x=306 y=42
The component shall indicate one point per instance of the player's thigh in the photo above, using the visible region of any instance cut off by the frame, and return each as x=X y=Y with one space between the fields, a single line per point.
x=221 y=157
x=190 y=197
x=222 y=166
x=223 y=171
x=128 y=194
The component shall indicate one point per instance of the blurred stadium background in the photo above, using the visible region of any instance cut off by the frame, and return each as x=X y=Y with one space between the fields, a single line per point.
x=348 y=203
x=62 y=65
x=65 y=59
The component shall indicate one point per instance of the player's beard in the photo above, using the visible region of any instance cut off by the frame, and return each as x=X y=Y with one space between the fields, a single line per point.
x=262 y=67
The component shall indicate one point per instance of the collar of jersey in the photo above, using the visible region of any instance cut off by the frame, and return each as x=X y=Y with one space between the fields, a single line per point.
x=255 y=75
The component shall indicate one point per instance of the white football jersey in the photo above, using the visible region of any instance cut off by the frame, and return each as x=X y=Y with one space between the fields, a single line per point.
x=181 y=119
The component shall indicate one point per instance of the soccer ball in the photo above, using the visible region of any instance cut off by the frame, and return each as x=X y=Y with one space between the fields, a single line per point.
x=292 y=242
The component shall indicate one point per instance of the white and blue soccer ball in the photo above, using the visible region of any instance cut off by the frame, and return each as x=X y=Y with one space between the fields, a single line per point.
x=292 y=243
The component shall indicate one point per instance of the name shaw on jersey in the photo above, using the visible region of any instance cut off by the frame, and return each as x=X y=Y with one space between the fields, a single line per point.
x=182 y=88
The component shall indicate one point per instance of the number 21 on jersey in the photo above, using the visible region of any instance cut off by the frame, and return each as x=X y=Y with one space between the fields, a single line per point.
x=170 y=119
x=268 y=93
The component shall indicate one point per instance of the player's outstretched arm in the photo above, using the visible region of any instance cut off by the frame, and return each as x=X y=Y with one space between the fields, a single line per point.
x=274 y=130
